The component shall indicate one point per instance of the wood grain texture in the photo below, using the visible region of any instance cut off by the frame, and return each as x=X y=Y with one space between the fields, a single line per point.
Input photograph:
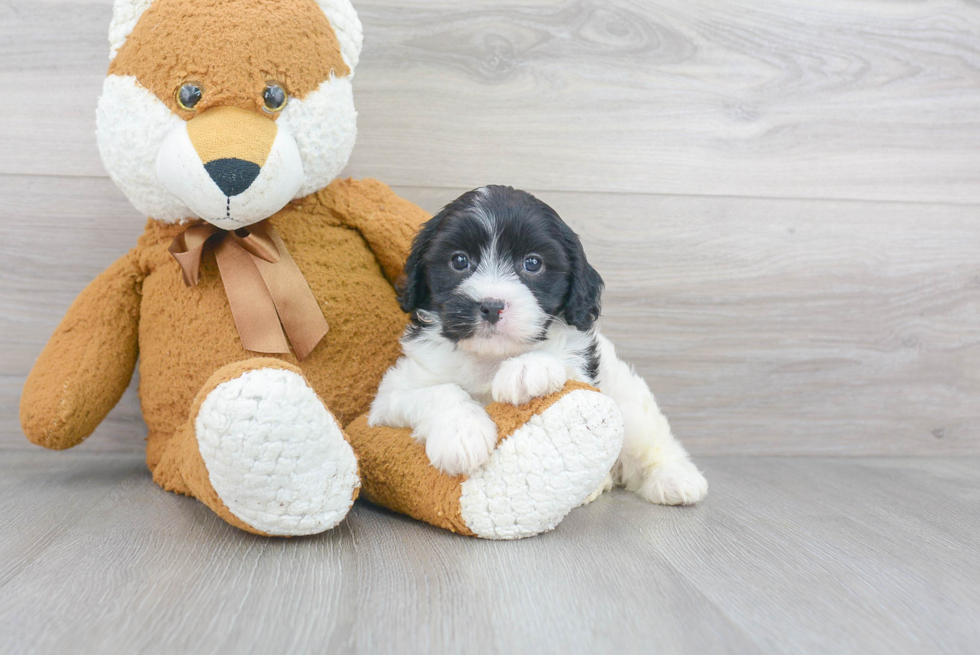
x=814 y=98
x=787 y=555
x=763 y=326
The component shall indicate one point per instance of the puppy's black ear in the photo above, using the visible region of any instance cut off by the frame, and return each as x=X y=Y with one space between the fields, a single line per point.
x=584 y=302
x=413 y=286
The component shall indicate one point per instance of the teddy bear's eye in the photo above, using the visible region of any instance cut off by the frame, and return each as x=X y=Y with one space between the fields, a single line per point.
x=274 y=96
x=188 y=95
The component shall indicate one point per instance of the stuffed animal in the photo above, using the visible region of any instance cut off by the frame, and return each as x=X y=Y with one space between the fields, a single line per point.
x=259 y=300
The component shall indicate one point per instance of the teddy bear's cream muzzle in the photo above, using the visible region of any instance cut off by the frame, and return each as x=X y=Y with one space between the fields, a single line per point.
x=231 y=167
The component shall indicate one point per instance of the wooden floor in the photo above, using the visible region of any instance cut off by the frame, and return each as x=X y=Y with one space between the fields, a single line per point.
x=788 y=555
x=784 y=200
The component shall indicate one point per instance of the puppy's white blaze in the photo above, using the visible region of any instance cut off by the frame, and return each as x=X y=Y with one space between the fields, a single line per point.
x=485 y=218
x=181 y=171
x=522 y=319
x=131 y=125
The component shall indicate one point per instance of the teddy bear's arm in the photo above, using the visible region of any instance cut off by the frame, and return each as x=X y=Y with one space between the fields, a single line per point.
x=87 y=364
x=387 y=222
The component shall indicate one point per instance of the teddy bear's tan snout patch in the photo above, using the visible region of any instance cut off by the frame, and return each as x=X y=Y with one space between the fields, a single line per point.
x=233 y=145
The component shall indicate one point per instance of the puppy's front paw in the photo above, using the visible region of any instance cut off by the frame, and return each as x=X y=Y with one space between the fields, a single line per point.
x=461 y=441
x=529 y=376
x=676 y=483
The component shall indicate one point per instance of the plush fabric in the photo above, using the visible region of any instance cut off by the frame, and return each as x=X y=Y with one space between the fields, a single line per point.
x=176 y=41
x=86 y=366
x=341 y=267
x=261 y=439
x=550 y=456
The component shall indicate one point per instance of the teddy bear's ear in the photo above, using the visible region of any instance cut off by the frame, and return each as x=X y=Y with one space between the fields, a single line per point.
x=347 y=27
x=125 y=15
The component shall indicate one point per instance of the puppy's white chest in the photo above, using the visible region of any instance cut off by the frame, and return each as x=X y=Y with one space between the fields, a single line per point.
x=476 y=378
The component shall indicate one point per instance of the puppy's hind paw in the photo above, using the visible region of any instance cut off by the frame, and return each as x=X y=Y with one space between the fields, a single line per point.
x=675 y=483
x=461 y=442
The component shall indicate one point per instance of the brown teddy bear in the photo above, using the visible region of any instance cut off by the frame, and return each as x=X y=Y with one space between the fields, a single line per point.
x=260 y=301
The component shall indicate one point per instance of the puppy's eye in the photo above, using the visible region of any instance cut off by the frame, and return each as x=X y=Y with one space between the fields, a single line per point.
x=460 y=261
x=188 y=95
x=274 y=96
x=532 y=264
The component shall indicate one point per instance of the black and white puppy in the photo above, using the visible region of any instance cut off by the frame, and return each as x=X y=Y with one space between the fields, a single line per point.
x=503 y=307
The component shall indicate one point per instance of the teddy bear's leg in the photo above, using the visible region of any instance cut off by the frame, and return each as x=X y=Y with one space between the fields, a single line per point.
x=262 y=450
x=551 y=454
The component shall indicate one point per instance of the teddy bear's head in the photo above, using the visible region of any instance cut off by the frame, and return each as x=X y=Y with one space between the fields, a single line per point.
x=226 y=110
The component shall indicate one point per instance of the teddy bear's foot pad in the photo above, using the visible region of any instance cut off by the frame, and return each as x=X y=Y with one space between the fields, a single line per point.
x=275 y=455
x=546 y=468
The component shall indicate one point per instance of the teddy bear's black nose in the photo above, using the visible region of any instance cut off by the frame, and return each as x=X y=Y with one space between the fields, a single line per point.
x=232 y=176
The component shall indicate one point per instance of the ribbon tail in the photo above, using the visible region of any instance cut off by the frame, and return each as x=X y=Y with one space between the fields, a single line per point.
x=298 y=308
x=188 y=247
x=251 y=302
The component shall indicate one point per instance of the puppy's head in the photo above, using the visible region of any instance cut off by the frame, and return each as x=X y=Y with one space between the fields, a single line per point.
x=226 y=110
x=494 y=269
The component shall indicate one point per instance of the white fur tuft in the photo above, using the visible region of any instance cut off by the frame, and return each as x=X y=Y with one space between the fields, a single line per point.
x=347 y=27
x=125 y=15
x=324 y=125
x=131 y=126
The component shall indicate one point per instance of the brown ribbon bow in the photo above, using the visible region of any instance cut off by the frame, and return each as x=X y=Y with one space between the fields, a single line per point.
x=268 y=294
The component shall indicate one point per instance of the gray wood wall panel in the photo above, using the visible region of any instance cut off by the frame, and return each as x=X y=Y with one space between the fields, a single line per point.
x=770 y=314
x=826 y=99
x=763 y=325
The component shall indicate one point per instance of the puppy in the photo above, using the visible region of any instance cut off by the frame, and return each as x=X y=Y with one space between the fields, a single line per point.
x=503 y=308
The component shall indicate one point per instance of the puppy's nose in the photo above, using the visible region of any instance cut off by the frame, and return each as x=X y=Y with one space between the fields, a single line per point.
x=490 y=309
x=233 y=176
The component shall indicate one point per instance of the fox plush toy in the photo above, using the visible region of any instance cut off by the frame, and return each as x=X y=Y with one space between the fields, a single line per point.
x=259 y=301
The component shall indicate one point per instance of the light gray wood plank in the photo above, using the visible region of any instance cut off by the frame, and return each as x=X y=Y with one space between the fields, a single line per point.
x=786 y=555
x=764 y=326
x=146 y=571
x=829 y=555
x=43 y=494
x=828 y=99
